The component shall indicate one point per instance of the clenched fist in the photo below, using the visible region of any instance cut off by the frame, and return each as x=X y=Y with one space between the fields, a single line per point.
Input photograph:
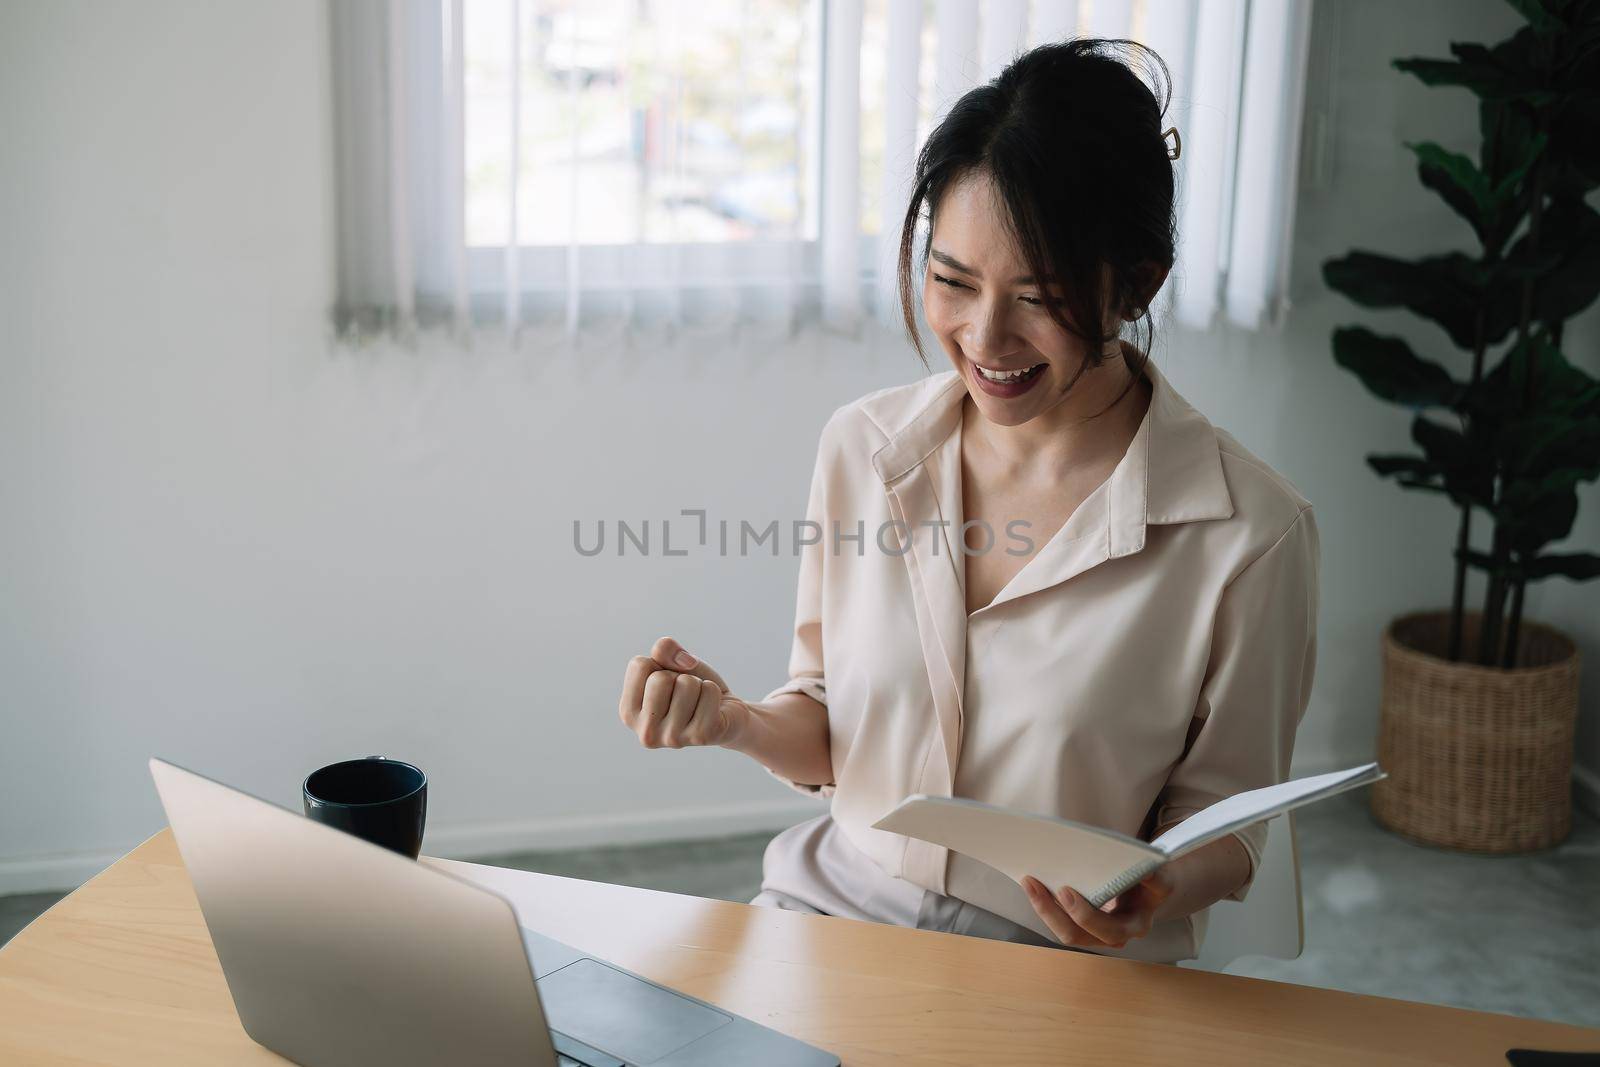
x=670 y=699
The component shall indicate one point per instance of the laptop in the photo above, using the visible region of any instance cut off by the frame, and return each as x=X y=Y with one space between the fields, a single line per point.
x=339 y=953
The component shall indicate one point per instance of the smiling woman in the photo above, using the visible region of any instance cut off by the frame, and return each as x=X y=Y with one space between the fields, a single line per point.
x=1049 y=225
x=1140 y=644
x=1065 y=152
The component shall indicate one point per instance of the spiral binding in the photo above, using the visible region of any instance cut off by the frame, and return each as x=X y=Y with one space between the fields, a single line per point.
x=1122 y=882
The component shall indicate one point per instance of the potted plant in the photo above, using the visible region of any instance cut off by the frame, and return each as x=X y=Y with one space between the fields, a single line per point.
x=1479 y=706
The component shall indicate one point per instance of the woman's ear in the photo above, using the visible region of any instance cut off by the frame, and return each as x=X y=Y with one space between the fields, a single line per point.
x=1147 y=280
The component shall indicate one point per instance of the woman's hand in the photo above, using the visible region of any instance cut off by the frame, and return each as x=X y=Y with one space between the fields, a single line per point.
x=1113 y=924
x=671 y=699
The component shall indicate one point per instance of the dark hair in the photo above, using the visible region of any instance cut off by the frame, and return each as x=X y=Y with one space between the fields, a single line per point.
x=1071 y=138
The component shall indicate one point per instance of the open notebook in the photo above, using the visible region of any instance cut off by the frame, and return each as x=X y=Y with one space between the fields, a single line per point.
x=1097 y=863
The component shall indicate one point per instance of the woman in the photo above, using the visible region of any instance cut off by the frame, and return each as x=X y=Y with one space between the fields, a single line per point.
x=1044 y=580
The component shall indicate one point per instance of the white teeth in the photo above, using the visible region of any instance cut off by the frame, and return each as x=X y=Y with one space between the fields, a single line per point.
x=1002 y=376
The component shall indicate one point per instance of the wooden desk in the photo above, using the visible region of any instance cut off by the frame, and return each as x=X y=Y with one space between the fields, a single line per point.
x=123 y=972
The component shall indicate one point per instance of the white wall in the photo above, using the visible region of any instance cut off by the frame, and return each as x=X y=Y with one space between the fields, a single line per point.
x=230 y=544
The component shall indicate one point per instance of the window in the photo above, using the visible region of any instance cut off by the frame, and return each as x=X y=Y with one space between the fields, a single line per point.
x=658 y=122
x=716 y=161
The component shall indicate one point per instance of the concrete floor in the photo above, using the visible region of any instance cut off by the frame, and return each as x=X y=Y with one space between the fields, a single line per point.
x=1516 y=934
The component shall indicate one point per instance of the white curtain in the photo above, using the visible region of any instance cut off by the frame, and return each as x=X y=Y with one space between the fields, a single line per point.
x=396 y=105
x=607 y=166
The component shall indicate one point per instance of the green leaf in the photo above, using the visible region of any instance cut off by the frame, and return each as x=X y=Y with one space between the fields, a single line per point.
x=1446 y=448
x=1572 y=450
x=1551 y=483
x=1427 y=486
x=1523 y=63
x=1508 y=135
x=1542 y=20
x=1579 y=566
x=1527 y=264
x=1467 y=473
x=1575 y=130
x=1509 y=71
x=1481 y=198
x=1412 y=466
x=1533 y=525
x=1482 y=78
x=1458 y=181
x=1411 y=472
x=1559 y=389
x=1451 y=290
x=1518 y=436
x=1530 y=150
x=1391 y=371
x=1570 y=233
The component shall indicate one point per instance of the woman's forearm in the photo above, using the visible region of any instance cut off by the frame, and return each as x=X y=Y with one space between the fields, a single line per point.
x=788 y=735
x=1204 y=877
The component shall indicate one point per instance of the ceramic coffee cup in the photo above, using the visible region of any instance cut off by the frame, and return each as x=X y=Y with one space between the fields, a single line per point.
x=380 y=800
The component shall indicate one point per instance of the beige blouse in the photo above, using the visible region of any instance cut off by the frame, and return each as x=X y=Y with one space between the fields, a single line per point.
x=1154 y=656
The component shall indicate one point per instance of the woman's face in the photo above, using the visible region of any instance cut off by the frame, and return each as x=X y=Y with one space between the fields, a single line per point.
x=991 y=318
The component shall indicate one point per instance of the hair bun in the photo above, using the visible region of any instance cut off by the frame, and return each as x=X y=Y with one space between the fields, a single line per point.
x=1176 y=148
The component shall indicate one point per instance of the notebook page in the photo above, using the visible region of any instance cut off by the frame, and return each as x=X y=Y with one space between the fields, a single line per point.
x=1056 y=851
x=1242 y=809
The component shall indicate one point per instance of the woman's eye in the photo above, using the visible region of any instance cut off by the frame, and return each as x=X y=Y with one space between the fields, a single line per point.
x=1030 y=300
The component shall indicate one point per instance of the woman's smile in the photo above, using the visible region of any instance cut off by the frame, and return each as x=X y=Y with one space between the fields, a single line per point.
x=1006 y=383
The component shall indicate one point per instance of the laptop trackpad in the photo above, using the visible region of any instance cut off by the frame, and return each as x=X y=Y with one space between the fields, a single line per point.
x=621 y=1014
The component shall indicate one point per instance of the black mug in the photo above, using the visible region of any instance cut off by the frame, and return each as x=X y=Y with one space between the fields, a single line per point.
x=380 y=800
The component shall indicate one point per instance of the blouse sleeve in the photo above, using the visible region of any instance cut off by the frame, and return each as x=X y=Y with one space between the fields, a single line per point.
x=805 y=655
x=1257 y=686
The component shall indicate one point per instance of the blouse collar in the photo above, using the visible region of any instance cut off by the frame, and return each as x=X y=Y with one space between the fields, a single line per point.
x=1171 y=472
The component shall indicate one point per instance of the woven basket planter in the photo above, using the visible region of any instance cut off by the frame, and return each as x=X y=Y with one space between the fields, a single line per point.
x=1478 y=758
